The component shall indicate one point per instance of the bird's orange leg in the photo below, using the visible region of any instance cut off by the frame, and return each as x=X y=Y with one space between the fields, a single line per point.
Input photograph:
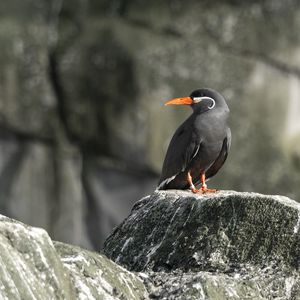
x=204 y=188
x=190 y=181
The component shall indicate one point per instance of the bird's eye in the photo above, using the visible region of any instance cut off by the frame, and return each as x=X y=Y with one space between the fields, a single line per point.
x=213 y=104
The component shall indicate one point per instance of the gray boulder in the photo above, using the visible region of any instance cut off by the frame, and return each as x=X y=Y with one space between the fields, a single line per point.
x=32 y=267
x=227 y=245
x=182 y=246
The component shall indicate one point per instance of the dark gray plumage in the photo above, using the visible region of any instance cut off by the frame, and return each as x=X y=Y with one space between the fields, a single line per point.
x=200 y=145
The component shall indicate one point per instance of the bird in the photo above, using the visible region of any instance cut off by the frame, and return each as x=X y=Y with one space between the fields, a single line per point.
x=200 y=145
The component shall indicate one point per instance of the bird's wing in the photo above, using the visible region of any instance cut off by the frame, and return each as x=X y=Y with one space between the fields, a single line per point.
x=218 y=163
x=182 y=149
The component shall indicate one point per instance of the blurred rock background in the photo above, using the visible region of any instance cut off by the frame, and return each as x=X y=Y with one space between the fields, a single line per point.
x=83 y=129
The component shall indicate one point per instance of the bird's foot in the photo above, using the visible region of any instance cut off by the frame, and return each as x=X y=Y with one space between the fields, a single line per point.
x=195 y=191
x=205 y=190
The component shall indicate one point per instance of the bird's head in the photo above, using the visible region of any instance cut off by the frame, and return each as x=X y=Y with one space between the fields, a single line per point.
x=201 y=100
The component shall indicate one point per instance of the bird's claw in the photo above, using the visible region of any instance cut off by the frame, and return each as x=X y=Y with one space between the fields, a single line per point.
x=206 y=190
x=195 y=191
x=203 y=190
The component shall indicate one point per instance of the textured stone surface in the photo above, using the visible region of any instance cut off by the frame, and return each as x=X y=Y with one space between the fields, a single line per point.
x=221 y=246
x=96 y=277
x=27 y=100
x=31 y=267
x=217 y=247
x=248 y=283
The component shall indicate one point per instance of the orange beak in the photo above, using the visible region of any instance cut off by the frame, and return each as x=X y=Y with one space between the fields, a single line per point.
x=180 y=101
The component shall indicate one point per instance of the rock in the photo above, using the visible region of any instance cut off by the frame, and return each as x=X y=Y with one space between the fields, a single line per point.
x=216 y=246
x=40 y=200
x=31 y=267
x=96 y=277
x=106 y=207
x=27 y=100
x=40 y=178
x=252 y=283
x=224 y=246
